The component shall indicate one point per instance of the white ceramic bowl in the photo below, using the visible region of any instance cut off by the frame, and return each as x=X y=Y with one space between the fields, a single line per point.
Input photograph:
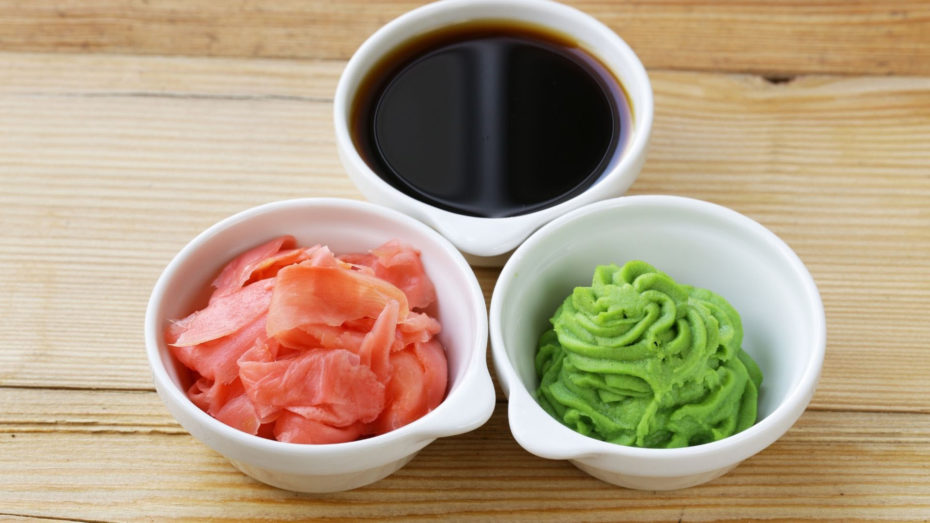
x=697 y=243
x=345 y=226
x=487 y=241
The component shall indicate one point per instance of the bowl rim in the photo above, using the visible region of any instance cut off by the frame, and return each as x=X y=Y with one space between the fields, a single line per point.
x=418 y=433
x=489 y=236
x=748 y=441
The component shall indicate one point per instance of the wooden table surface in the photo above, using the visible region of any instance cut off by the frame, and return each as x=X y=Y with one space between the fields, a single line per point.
x=127 y=127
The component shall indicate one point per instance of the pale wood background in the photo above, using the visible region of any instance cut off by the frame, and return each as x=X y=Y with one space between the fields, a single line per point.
x=127 y=127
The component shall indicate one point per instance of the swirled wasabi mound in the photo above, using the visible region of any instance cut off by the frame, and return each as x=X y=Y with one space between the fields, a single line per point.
x=638 y=359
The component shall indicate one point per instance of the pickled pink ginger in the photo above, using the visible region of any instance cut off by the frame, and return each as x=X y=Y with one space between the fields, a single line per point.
x=301 y=345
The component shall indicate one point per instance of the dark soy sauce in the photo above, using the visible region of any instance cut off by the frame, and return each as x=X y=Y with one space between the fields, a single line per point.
x=490 y=119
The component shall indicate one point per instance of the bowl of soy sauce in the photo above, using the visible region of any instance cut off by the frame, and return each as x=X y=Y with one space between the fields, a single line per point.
x=487 y=119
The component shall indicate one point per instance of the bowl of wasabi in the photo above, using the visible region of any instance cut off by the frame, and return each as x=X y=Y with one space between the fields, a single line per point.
x=654 y=341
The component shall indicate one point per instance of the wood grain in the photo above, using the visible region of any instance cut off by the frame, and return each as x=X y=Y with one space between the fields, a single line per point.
x=140 y=465
x=772 y=38
x=109 y=164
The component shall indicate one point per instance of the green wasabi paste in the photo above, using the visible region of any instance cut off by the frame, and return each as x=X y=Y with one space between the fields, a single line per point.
x=638 y=359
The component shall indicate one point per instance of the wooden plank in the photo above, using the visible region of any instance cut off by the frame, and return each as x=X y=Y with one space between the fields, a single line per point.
x=830 y=465
x=101 y=182
x=102 y=75
x=76 y=411
x=773 y=38
x=156 y=146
